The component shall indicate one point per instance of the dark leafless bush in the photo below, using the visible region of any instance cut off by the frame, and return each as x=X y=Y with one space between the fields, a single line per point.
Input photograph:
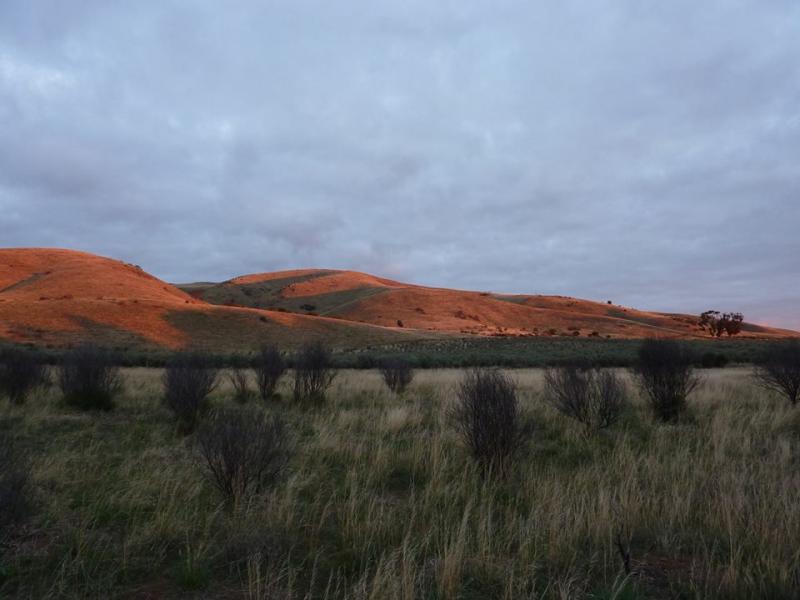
x=665 y=375
x=242 y=451
x=313 y=372
x=397 y=374
x=239 y=378
x=89 y=378
x=486 y=417
x=779 y=369
x=21 y=371
x=188 y=380
x=14 y=484
x=269 y=367
x=593 y=397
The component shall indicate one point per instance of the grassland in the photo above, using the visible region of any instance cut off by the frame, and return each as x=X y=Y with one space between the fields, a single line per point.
x=380 y=501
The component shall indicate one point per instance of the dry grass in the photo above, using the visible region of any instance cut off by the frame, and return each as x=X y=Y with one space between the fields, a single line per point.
x=381 y=502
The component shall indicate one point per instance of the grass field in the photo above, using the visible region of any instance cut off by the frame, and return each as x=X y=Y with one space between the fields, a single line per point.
x=380 y=501
x=445 y=352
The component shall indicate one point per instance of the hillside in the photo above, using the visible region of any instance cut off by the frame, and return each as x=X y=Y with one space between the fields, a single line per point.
x=59 y=297
x=360 y=297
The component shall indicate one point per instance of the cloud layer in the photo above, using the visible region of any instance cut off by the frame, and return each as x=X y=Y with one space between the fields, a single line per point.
x=644 y=152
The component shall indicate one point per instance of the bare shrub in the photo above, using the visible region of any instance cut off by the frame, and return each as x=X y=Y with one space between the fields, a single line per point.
x=593 y=397
x=269 y=367
x=14 y=484
x=21 y=372
x=189 y=378
x=89 y=378
x=240 y=381
x=397 y=374
x=313 y=372
x=243 y=452
x=778 y=369
x=486 y=417
x=666 y=376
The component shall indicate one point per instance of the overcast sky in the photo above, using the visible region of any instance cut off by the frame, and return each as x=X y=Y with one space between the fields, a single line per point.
x=646 y=152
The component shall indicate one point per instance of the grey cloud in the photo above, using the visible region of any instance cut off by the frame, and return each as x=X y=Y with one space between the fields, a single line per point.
x=644 y=152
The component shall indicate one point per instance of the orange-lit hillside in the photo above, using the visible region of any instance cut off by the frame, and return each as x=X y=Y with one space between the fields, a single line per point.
x=58 y=297
x=364 y=298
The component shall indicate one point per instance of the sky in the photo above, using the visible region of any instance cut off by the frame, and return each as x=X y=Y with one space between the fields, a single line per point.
x=639 y=151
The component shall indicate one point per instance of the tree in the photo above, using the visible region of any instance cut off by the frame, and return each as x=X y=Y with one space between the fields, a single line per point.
x=718 y=323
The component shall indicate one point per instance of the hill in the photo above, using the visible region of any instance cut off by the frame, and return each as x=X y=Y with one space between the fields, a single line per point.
x=53 y=297
x=59 y=297
x=364 y=298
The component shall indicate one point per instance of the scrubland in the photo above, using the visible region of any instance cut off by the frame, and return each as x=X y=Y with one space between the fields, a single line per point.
x=379 y=500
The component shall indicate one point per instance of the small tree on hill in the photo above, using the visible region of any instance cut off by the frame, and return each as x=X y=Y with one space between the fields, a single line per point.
x=718 y=323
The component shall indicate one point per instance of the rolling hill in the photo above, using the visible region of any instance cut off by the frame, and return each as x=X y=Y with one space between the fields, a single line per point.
x=364 y=298
x=54 y=297
x=60 y=297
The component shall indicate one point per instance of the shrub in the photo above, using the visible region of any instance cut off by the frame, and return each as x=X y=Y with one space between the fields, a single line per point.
x=778 y=369
x=665 y=375
x=713 y=360
x=313 y=372
x=21 y=371
x=593 y=397
x=188 y=380
x=397 y=374
x=270 y=367
x=14 y=484
x=238 y=376
x=242 y=452
x=486 y=417
x=89 y=378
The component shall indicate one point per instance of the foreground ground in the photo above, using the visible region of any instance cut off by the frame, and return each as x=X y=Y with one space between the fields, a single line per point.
x=380 y=501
